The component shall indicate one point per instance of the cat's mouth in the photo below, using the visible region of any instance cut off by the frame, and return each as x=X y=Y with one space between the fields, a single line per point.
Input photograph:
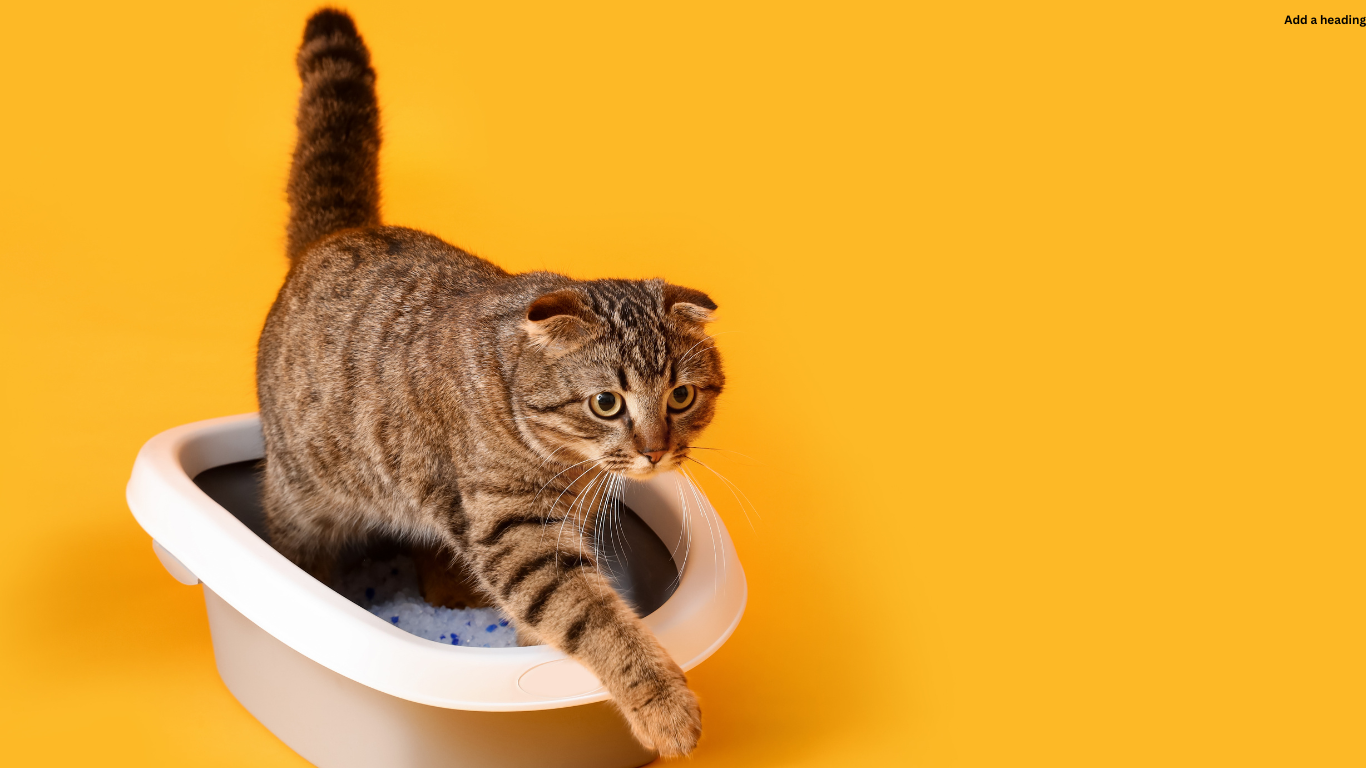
x=643 y=469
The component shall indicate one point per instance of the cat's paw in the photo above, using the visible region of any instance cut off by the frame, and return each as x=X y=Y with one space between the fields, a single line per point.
x=526 y=636
x=667 y=719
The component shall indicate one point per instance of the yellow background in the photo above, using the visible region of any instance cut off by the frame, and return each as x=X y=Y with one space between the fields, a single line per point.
x=1043 y=323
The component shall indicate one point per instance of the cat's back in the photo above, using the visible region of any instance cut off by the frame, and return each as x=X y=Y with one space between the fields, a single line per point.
x=361 y=276
x=357 y=298
x=384 y=260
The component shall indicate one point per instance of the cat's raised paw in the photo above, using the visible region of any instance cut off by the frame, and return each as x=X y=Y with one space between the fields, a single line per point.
x=669 y=722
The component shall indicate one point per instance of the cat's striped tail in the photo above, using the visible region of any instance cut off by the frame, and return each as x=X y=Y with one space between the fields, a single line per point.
x=334 y=180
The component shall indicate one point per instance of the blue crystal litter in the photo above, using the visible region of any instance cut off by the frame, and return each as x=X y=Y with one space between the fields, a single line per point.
x=390 y=590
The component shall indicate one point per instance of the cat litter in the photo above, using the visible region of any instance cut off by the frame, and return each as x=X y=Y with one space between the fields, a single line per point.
x=390 y=590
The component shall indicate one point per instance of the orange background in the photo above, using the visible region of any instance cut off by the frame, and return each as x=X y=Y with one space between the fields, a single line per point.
x=1044 y=327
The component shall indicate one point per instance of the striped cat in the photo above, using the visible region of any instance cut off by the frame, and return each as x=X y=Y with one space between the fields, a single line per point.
x=410 y=389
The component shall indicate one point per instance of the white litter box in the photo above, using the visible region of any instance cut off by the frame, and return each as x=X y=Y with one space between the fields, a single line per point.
x=345 y=689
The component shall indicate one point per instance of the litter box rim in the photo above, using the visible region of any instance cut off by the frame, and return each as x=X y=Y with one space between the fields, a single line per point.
x=210 y=545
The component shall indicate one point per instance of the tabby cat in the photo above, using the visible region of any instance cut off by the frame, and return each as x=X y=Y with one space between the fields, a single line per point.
x=410 y=389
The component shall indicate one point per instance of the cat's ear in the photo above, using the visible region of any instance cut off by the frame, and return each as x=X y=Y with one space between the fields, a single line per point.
x=559 y=322
x=689 y=304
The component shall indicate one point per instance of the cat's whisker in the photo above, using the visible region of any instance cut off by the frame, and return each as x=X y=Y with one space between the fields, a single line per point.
x=684 y=535
x=600 y=503
x=686 y=356
x=716 y=554
x=585 y=498
x=602 y=518
x=718 y=547
x=685 y=360
x=725 y=450
x=600 y=515
x=570 y=509
x=571 y=485
x=547 y=459
x=588 y=506
x=733 y=488
x=710 y=514
x=610 y=507
x=706 y=337
x=701 y=508
x=621 y=507
x=569 y=514
x=594 y=509
x=617 y=529
x=597 y=529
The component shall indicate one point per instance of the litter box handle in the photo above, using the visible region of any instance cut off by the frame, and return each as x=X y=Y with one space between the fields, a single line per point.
x=173 y=566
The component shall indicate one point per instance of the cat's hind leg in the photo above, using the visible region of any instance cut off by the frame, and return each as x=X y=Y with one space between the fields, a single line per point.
x=444 y=579
x=303 y=528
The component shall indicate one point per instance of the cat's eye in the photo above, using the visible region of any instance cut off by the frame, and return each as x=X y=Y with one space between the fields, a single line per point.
x=605 y=404
x=681 y=397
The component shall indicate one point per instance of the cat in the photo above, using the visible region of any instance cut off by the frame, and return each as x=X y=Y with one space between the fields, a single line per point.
x=410 y=389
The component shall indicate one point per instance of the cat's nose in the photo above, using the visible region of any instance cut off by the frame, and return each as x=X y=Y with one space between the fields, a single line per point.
x=653 y=456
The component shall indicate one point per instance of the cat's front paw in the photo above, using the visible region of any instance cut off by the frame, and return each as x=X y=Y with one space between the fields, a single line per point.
x=667 y=718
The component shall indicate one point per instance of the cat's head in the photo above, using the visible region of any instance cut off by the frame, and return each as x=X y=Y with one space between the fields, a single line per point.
x=618 y=374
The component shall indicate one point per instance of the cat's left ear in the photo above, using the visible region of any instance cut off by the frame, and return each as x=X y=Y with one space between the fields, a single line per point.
x=689 y=304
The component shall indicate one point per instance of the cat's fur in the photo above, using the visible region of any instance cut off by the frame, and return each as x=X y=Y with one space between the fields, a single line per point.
x=411 y=389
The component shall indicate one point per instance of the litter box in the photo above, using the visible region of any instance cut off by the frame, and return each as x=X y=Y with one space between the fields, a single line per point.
x=346 y=689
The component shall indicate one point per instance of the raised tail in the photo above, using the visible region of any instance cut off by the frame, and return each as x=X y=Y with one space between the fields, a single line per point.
x=334 y=180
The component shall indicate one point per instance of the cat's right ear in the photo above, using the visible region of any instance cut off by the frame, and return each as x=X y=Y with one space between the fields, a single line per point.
x=689 y=304
x=559 y=322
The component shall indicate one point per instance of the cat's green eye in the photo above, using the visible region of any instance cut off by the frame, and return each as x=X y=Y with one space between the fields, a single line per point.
x=681 y=397
x=605 y=404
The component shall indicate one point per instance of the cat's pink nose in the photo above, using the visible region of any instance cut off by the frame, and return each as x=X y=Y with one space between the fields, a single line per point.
x=654 y=456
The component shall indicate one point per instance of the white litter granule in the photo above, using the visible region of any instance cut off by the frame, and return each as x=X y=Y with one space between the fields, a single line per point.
x=390 y=590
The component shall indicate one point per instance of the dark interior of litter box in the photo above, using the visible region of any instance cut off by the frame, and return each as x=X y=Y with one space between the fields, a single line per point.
x=634 y=559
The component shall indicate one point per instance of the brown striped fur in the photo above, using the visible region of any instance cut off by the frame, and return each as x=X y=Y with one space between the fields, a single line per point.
x=411 y=389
